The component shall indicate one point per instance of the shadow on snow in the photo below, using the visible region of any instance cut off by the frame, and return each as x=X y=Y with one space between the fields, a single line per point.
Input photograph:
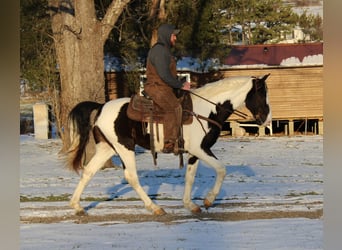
x=151 y=181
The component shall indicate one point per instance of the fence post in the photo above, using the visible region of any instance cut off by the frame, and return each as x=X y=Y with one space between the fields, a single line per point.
x=261 y=131
x=291 y=127
x=41 y=121
x=320 y=127
x=237 y=131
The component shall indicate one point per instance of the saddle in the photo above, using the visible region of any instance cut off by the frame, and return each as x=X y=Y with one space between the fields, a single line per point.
x=142 y=108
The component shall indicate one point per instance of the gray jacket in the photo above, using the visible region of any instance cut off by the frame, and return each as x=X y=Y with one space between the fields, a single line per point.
x=160 y=56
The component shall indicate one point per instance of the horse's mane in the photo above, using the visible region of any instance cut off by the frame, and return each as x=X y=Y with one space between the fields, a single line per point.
x=229 y=84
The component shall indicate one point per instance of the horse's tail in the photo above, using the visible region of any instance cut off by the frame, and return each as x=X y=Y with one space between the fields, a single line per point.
x=80 y=125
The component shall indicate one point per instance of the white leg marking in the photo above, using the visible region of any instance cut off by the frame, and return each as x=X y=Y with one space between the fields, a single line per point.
x=189 y=181
x=128 y=158
x=220 y=175
x=103 y=153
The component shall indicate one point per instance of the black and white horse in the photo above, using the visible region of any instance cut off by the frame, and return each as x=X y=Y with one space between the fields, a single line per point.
x=116 y=134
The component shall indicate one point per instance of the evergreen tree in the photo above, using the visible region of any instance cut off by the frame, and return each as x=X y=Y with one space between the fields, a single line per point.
x=312 y=25
x=259 y=21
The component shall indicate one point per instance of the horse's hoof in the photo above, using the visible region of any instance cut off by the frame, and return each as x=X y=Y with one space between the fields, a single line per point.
x=159 y=212
x=207 y=203
x=196 y=210
x=81 y=213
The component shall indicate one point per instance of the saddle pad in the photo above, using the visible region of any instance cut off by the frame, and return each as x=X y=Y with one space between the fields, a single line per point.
x=142 y=109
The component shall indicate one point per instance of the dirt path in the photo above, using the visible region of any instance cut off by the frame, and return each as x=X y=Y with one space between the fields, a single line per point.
x=112 y=214
x=173 y=218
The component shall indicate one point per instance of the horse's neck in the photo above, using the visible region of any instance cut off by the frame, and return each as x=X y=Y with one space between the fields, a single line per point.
x=218 y=92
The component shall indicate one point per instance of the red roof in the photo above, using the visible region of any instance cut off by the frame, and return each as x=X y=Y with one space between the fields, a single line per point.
x=271 y=54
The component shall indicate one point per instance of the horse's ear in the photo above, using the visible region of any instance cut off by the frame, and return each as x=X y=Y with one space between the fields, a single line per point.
x=265 y=77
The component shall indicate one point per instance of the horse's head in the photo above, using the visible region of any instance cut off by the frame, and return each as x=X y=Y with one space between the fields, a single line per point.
x=257 y=101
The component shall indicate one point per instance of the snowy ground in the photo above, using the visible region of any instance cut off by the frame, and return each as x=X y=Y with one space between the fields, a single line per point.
x=272 y=198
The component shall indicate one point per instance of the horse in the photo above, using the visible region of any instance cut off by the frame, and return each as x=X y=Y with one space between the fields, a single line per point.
x=116 y=134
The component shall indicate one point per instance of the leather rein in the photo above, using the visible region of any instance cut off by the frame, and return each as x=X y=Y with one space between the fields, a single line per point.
x=198 y=116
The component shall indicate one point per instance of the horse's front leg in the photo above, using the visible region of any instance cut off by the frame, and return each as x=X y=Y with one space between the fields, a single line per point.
x=189 y=181
x=220 y=175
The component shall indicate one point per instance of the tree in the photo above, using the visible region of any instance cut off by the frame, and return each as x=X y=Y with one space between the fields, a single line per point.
x=208 y=32
x=79 y=35
x=37 y=63
x=312 y=25
x=136 y=32
x=37 y=54
x=260 y=21
x=157 y=15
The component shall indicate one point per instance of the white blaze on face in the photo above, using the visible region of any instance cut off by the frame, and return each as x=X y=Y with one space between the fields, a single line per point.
x=268 y=120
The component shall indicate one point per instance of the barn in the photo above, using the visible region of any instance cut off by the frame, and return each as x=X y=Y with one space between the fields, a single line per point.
x=295 y=86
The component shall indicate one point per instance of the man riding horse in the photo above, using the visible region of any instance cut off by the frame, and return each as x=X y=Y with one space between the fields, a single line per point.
x=161 y=81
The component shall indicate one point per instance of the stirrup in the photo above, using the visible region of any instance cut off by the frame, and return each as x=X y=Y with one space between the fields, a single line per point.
x=168 y=147
x=179 y=147
x=179 y=151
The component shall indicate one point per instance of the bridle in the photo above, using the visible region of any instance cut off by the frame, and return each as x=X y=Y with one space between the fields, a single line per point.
x=236 y=112
x=198 y=116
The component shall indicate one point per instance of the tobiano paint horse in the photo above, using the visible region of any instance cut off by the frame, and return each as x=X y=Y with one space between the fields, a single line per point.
x=116 y=134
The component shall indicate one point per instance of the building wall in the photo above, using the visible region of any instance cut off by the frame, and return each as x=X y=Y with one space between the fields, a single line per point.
x=294 y=92
x=116 y=85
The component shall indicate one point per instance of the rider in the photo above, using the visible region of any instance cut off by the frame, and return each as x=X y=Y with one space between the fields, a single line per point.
x=161 y=81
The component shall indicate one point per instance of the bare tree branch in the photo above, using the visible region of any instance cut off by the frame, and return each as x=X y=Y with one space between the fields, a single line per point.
x=154 y=9
x=113 y=13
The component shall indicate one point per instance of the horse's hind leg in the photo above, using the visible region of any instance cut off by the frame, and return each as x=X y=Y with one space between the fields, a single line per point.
x=103 y=153
x=128 y=158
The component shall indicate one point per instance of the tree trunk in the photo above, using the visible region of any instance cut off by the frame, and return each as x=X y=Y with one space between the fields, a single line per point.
x=157 y=15
x=79 y=39
x=80 y=58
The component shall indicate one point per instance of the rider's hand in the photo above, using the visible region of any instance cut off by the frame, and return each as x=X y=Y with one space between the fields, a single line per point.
x=186 y=86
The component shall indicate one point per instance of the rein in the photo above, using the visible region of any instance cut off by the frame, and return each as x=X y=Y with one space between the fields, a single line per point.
x=198 y=117
x=236 y=112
